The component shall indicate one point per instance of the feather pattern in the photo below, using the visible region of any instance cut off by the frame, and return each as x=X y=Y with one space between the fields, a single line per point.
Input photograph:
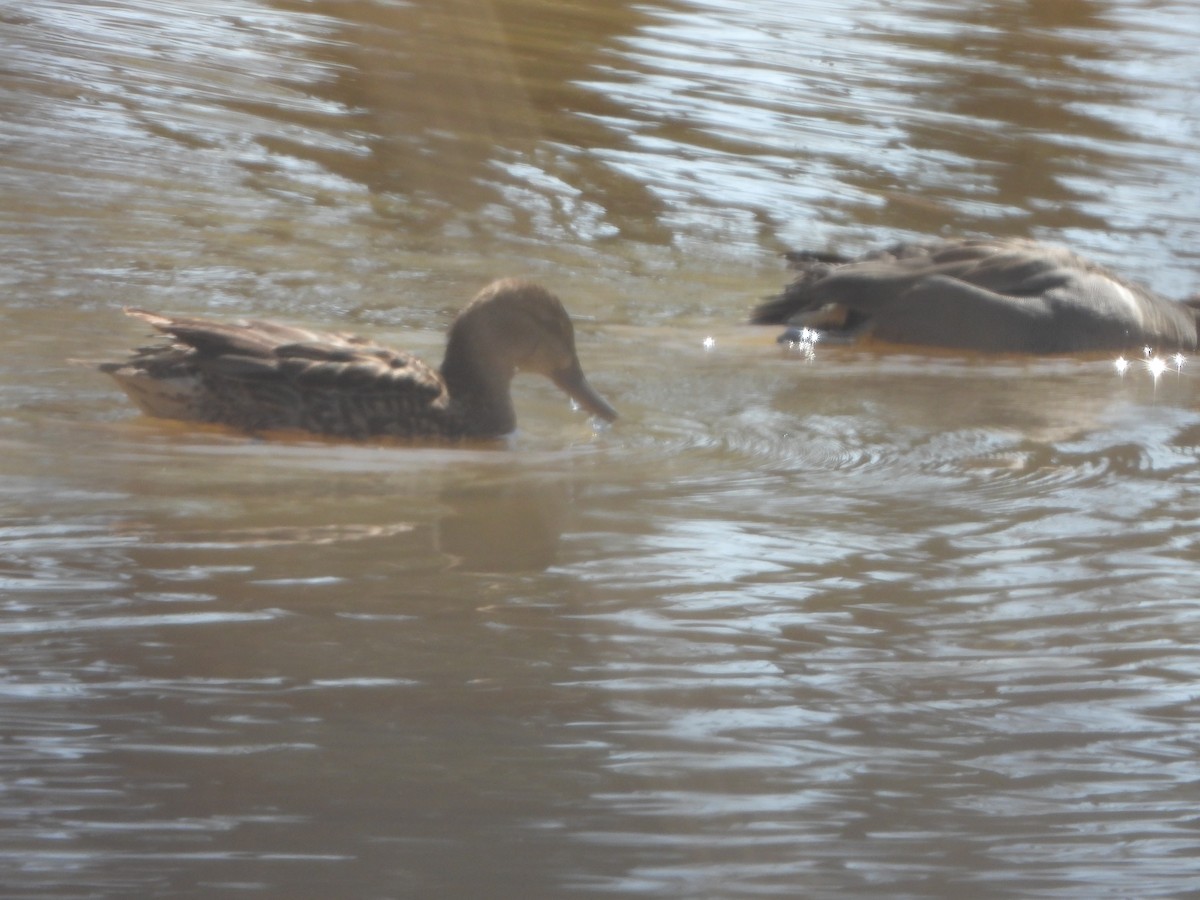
x=259 y=375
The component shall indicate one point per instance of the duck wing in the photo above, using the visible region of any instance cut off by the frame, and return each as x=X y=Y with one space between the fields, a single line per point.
x=862 y=286
x=261 y=349
x=256 y=374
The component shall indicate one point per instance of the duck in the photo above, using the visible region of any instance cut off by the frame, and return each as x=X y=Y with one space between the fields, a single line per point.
x=994 y=295
x=257 y=376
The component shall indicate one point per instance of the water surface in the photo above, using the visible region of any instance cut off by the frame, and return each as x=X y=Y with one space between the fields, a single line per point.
x=860 y=624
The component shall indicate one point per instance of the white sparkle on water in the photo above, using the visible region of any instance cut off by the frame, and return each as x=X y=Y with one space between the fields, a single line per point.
x=805 y=342
x=1155 y=365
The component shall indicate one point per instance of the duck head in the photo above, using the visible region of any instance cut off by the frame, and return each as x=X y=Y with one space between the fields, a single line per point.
x=516 y=326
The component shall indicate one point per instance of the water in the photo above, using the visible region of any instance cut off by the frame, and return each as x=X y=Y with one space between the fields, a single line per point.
x=863 y=624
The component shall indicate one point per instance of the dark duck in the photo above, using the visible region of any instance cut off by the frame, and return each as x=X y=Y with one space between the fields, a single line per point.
x=992 y=296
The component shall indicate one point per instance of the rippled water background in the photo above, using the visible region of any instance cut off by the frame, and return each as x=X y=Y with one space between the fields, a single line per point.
x=862 y=625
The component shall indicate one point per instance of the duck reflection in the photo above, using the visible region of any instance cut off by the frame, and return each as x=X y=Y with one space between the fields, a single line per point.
x=507 y=526
x=314 y=513
x=1024 y=119
x=459 y=106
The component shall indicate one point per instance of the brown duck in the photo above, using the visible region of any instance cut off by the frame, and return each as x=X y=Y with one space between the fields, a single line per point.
x=258 y=376
x=997 y=296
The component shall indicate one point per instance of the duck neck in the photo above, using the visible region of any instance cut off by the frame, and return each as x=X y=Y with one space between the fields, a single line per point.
x=479 y=385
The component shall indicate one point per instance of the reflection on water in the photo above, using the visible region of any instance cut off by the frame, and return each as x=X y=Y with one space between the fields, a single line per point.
x=838 y=623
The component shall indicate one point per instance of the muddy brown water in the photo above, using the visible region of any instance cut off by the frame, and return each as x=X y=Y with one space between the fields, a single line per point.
x=861 y=624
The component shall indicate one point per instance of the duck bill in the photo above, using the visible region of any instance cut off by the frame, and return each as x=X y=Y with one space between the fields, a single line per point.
x=572 y=381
